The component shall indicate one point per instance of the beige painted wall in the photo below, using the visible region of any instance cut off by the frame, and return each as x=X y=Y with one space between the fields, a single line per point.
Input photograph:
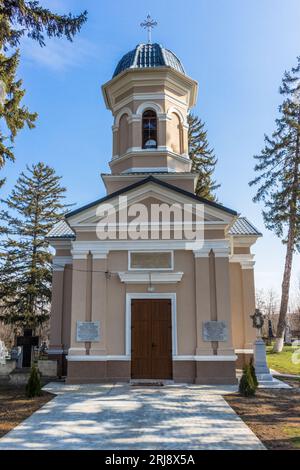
x=242 y=306
x=116 y=185
x=193 y=302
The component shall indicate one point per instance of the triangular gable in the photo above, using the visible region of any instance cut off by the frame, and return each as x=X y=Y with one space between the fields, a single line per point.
x=150 y=188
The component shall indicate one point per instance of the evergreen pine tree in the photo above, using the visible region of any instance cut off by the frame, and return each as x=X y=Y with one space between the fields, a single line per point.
x=279 y=184
x=35 y=204
x=14 y=115
x=20 y=18
x=203 y=158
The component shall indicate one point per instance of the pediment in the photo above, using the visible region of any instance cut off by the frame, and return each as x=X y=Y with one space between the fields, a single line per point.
x=148 y=194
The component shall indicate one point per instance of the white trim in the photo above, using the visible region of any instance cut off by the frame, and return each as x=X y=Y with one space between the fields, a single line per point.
x=148 y=170
x=79 y=253
x=150 y=269
x=246 y=260
x=136 y=150
x=148 y=105
x=220 y=248
x=242 y=241
x=244 y=351
x=209 y=358
x=149 y=189
x=130 y=297
x=59 y=262
x=154 y=277
x=55 y=351
x=150 y=96
x=152 y=245
x=175 y=110
x=91 y=358
x=118 y=116
x=99 y=254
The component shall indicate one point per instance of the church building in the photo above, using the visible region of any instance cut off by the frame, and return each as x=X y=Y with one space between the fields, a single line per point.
x=151 y=308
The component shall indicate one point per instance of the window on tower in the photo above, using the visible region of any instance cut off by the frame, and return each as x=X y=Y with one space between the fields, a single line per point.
x=149 y=130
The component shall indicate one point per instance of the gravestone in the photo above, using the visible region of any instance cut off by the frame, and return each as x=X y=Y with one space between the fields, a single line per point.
x=27 y=342
x=16 y=355
x=3 y=353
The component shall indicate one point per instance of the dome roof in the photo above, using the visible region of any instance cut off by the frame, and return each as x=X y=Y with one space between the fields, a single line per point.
x=149 y=55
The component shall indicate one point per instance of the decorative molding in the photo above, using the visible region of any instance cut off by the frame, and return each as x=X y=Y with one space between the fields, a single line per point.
x=149 y=245
x=149 y=96
x=79 y=254
x=59 y=262
x=99 y=254
x=138 y=150
x=148 y=105
x=175 y=110
x=148 y=170
x=246 y=260
x=91 y=358
x=131 y=296
x=151 y=251
x=220 y=248
x=155 y=277
x=125 y=110
x=242 y=241
x=210 y=358
x=243 y=351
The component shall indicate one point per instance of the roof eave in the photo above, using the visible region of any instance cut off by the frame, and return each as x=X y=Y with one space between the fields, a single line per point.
x=159 y=183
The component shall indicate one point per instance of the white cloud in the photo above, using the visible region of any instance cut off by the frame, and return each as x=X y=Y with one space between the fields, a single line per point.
x=59 y=54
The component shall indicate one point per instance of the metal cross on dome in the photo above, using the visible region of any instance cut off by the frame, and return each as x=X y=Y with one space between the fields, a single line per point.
x=149 y=24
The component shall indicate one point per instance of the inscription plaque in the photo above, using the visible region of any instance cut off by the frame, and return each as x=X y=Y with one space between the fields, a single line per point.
x=88 y=331
x=215 y=331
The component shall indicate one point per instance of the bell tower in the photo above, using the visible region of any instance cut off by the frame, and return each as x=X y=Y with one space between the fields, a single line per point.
x=149 y=96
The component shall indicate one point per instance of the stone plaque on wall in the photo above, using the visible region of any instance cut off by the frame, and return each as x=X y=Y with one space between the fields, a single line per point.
x=215 y=331
x=88 y=331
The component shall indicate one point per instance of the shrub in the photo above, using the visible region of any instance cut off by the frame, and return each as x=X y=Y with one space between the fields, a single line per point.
x=252 y=370
x=247 y=386
x=33 y=387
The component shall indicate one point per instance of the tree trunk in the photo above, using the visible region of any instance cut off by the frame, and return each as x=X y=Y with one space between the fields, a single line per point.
x=285 y=288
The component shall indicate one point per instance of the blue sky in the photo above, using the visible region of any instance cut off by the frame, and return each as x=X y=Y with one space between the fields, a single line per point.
x=236 y=49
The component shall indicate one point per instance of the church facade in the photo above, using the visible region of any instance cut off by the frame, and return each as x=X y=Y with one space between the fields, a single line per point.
x=151 y=303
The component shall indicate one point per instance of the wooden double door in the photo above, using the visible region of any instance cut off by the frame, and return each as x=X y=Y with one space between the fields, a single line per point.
x=151 y=339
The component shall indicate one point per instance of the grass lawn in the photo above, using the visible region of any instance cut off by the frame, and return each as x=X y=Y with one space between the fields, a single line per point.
x=294 y=435
x=282 y=362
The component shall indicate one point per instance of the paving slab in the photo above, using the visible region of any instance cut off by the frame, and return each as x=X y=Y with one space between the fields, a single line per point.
x=121 y=417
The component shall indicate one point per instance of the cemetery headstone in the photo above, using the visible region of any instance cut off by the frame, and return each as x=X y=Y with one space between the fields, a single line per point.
x=27 y=342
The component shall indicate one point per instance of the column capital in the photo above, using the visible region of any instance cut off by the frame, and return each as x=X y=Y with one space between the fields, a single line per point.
x=220 y=248
x=246 y=261
x=59 y=262
x=79 y=254
x=99 y=254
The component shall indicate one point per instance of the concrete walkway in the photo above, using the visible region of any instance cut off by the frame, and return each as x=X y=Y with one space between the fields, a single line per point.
x=115 y=417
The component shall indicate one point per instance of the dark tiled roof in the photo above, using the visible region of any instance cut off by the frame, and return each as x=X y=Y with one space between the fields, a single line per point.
x=61 y=230
x=242 y=226
x=164 y=184
x=149 y=55
x=136 y=173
